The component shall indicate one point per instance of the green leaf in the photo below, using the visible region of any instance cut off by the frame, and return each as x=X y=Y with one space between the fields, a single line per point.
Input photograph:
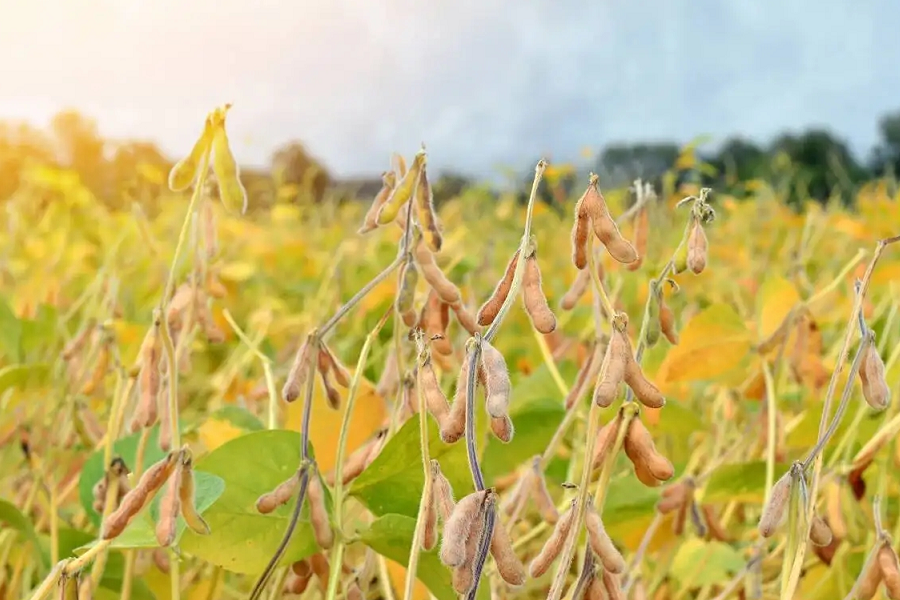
x=39 y=333
x=740 y=482
x=391 y=536
x=11 y=515
x=23 y=376
x=94 y=469
x=10 y=333
x=698 y=563
x=242 y=540
x=393 y=482
x=239 y=417
x=141 y=533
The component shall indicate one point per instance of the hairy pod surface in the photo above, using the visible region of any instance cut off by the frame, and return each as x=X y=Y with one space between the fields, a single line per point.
x=318 y=514
x=496 y=380
x=542 y=318
x=283 y=492
x=774 y=511
x=491 y=308
x=554 y=544
x=142 y=493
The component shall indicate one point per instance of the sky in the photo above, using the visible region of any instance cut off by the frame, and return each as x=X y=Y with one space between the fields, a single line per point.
x=483 y=83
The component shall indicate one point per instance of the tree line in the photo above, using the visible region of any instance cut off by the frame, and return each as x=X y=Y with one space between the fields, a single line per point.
x=811 y=164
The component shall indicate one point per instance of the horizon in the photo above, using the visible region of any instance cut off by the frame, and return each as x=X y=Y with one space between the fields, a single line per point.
x=395 y=80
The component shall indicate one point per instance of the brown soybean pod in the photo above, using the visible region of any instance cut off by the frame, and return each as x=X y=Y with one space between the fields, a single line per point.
x=169 y=507
x=426 y=215
x=869 y=579
x=819 y=532
x=370 y=222
x=554 y=543
x=318 y=515
x=641 y=233
x=434 y=320
x=135 y=500
x=165 y=420
x=324 y=368
x=667 y=322
x=496 y=380
x=773 y=513
x=502 y=428
x=508 y=564
x=489 y=310
x=429 y=539
x=299 y=372
x=279 y=496
x=647 y=393
x=890 y=570
x=580 y=233
x=463 y=576
x=576 y=290
x=697 y=247
x=443 y=491
x=605 y=228
x=639 y=447
x=435 y=400
x=446 y=289
x=606 y=439
x=601 y=543
x=186 y=494
x=354 y=465
x=458 y=527
x=149 y=381
x=464 y=317
x=338 y=370
x=876 y=391
x=409 y=277
x=613 y=586
x=613 y=368
x=542 y=318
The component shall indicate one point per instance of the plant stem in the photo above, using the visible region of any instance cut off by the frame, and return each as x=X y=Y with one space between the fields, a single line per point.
x=128 y=575
x=471 y=449
x=54 y=525
x=174 y=575
x=338 y=550
x=641 y=550
x=44 y=589
x=771 y=426
x=75 y=565
x=272 y=421
x=362 y=293
x=789 y=589
x=427 y=496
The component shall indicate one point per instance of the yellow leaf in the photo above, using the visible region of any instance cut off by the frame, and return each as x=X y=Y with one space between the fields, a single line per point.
x=713 y=342
x=367 y=418
x=777 y=296
x=215 y=432
x=237 y=271
x=397 y=573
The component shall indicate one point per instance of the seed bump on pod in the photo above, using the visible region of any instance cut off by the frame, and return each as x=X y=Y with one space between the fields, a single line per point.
x=496 y=380
x=542 y=318
x=318 y=514
x=491 y=308
x=554 y=543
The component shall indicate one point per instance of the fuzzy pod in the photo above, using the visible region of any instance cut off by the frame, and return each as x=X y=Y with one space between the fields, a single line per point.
x=819 y=532
x=496 y=380
x=354 y=464
x=516 y=496
x=641 y=450
x=455 y=424
x=370 y=222
x=402 y=192
x=554 y=544
x=667 y=322
x=406 y=294
x=508 y=564
x=435 y=400
x=542 y=318
x=606 y=439
x=187 y=496
x=463 y=575
x=774 y=511
x=594 y=589
x=652 y=316
x=644 y=390
x=576 y=290
x=228 y=173
x=142 y=493
x=697 y=247
x=446 y=289
x=337 y=369
x=185 y=171
x=680 y=258
x=323 y=366
x=458 y=527
x=613 y=586
x=834 y=511
x=890 y=570
x=389 y=382
x=169 y=507
x=295 y=584
x=434 y=319
x=601 y=543
x=587 y=373
x=464 y=317
x=491 y=308
x=299 y=372
x=282 y=493
x=613 y=368
x=430 y=537
x=641 y=235
x=869 y=579
x=580 y=232
x=426 y=214
x=165 y=417
x=443 y=492
x=541 y=495
x=876 y=391
x=502 y=428
x=146 y=412
x=318 y=514
x=594 y=206
x=320 y=567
